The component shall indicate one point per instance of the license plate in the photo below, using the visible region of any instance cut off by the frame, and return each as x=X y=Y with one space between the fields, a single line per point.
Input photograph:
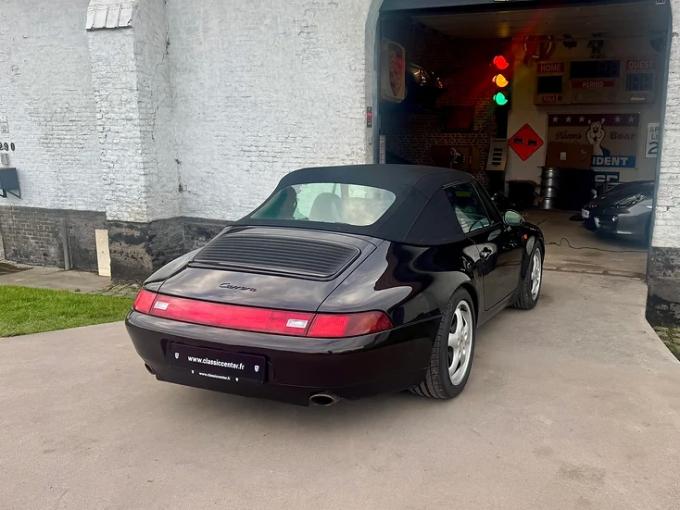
x=585 y=214
x=218 y=364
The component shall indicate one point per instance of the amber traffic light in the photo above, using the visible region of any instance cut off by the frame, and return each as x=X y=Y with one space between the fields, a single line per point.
x=500 y=81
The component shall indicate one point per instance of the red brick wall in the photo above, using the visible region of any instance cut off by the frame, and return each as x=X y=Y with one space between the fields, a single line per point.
x=464 y=66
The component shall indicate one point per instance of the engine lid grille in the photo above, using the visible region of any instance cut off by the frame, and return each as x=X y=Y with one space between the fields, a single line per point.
x=276 y=255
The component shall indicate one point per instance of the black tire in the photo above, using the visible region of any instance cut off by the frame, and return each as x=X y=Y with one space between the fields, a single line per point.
x=523 y=298
x=437 y=383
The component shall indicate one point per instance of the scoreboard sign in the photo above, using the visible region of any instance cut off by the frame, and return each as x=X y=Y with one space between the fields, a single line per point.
x=640 y=80
x=550 y=88
x=596 y=82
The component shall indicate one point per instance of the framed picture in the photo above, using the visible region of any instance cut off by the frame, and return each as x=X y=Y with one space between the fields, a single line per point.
x=392 y=71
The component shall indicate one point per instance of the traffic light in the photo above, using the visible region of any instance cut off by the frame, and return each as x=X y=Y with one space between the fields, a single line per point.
x=500 y=62
x=500 y=65
x=500 y=81
x=500 y=98
x=500 y=77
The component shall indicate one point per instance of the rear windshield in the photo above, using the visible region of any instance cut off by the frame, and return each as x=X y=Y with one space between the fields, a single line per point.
x=327 y=202
x=631 y=188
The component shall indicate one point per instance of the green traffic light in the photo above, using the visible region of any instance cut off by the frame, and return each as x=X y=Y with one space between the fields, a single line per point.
x=500 y=99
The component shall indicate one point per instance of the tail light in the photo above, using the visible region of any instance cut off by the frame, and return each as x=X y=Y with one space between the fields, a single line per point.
x=327 y=325
x=144 y=300
x=263 y=320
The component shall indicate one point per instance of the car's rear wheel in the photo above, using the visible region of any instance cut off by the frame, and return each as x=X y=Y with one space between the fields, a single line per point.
x=529 y=289
x=452 y=352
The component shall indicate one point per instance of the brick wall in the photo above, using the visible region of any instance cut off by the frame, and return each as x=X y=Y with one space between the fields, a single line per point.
x=156 y=110
x=36 y=236
x=261 y=88
x=32 y=235
x=413 y=130
x=215 y=98
x=415 y=140
x=128 y=64
x=137 y=249
x=198 y=231
x=46 y=104
x=667 y=214
x=663 y=303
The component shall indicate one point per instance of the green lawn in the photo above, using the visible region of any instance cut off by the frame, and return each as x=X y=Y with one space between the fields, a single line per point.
x=26 y=310
x=671 y=337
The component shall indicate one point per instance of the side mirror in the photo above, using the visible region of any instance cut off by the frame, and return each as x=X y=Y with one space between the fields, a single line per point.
x=513 y=218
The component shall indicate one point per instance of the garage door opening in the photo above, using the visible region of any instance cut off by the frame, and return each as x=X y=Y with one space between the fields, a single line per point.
x=555 y=107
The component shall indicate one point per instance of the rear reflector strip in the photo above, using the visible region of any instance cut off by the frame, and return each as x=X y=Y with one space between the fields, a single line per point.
x=228 y=316
x=263 y=320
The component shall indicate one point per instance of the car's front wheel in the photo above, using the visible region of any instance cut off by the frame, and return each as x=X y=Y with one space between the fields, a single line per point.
x=529 y=289
x=452 y=352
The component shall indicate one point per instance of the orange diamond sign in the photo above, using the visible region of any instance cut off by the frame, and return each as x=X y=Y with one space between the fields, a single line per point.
x=525 y=142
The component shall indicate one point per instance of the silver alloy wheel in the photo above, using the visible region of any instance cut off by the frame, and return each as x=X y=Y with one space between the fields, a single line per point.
x=536 y=274
x=460 y=342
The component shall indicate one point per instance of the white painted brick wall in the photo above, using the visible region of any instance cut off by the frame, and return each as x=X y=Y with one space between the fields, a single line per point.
x=261 y=88
x=108 y=120
x=156 y=109
x=667 y=215
x=115 y=90
x=134 y=121
x=47 y=102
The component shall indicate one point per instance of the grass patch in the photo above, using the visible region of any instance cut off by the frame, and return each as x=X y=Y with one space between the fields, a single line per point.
x=26 y=310
x=671 y=337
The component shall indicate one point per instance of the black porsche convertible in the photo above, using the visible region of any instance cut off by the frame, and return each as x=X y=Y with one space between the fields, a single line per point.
x=346 y=282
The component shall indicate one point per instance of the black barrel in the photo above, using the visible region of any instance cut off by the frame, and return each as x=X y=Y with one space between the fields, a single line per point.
x=550 y=185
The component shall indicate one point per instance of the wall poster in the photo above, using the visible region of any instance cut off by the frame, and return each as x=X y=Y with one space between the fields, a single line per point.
x=392 y=71
x=614 y=137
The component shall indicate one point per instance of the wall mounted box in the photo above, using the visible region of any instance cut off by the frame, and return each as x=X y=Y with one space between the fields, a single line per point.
x=569 y=155
x=9 y=182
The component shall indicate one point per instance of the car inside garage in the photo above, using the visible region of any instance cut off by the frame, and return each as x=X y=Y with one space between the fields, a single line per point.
x=555 y=107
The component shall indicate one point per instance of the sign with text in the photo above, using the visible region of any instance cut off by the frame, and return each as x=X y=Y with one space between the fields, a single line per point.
x=653 y=137
x=550 y=68
x=596 y=81
x=612 y=136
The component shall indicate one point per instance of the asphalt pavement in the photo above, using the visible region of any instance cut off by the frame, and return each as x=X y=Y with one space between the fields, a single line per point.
x=573 y=405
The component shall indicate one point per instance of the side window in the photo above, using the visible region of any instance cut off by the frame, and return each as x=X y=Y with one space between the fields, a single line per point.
x=469 y=209
x=491 y=208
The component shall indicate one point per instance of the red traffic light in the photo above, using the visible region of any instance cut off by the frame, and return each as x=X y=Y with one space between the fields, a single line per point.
x=500 y=62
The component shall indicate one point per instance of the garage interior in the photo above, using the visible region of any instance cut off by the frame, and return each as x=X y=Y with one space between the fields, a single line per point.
x=548 y=104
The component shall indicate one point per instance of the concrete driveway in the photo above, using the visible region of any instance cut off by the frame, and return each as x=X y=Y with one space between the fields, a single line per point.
x=573 y=248
x=573 y=405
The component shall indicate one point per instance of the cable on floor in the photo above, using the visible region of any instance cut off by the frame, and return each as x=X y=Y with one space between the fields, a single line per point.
x=553 y=243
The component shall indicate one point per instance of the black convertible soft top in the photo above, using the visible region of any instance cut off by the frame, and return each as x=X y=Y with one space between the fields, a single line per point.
x=421 y=213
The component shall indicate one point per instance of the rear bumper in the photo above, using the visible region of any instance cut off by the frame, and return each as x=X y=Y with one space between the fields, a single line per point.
x=296 y=367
